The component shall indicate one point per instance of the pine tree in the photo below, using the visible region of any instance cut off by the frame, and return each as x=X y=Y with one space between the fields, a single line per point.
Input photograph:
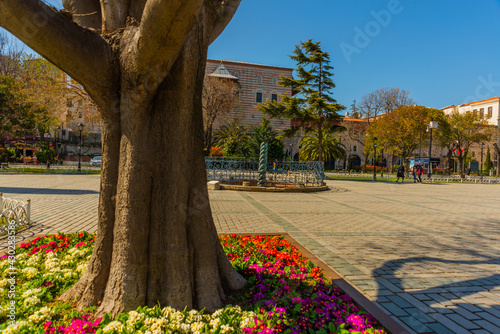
x=314 y=107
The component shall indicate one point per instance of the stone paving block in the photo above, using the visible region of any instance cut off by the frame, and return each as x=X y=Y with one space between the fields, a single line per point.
x=450 y=324
x=417 y=303
x=465 y=313
x=394 y=309
x=399 y=301
x=480 y=331
x=416 y=325
x=440 y=329
x=489 y=317
x=494 y=328
x=462 y=321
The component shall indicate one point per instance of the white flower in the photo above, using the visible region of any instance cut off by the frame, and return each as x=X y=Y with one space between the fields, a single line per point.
x=197 y=327
x=31 y=292
x=35 y=259
x=194 y=316
x=226 y=329
x=31 y=301
x=217 y=313
x=82 y=267
x=215 y=323
x=134 y=317
x=15 y=328
x=167 y=311
x=37 y=318
x=247 y=319
x=113 y=325
x=30 y=272
x=21 y=256
x=46 y=310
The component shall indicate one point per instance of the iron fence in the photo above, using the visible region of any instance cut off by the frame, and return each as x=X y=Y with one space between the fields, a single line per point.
x=278 y=174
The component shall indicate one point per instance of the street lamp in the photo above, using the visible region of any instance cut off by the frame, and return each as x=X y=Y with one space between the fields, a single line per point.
x=374 y=158
x=482 y=146
x=432 y=125
x=80 y=129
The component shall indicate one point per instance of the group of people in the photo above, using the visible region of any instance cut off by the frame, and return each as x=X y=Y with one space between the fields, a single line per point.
x=417 y=171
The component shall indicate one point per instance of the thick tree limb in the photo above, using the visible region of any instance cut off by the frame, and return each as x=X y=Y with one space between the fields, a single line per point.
x=136 y=9
x=84 y=55
x=164 y=28
x=223 y=16
x=114 y=14
x=86 y=13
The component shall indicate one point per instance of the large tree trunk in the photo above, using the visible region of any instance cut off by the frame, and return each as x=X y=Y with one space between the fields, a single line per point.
x=156 y=241
x=164 y=244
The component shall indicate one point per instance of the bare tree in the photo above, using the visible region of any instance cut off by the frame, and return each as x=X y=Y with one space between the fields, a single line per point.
x=143 y=64
x=10 y=56
x=383 y=101
x=220 y=97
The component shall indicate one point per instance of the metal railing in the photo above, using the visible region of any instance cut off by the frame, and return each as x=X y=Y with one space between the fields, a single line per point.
x=14 y=214
x=281 y=174
x=409 y=178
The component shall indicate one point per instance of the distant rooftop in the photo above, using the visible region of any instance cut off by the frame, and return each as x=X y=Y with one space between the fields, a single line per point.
x=250 y=64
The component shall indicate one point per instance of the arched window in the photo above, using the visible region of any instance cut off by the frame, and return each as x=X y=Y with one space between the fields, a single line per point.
x=237 y=74
x=259 y=79
x=275 y=80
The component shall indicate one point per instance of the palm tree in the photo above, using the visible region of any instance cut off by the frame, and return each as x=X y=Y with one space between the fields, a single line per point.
x=332 y=148
x=232 y=139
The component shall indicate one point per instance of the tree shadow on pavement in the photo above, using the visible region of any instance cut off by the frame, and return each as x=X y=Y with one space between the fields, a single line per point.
x=441 y=308
x=45 y=191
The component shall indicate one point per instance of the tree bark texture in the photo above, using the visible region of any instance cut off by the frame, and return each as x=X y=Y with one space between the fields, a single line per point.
x=156 y=241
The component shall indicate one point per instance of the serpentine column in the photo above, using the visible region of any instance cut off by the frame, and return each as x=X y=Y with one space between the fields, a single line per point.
x=263 y=164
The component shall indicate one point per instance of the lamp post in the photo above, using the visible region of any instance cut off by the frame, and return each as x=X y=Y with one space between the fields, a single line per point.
x=432 y=125
x=80 y=129
x=482 y=147
x=374 y=158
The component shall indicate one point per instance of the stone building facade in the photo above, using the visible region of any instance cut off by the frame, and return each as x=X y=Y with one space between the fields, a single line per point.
x=257 y=84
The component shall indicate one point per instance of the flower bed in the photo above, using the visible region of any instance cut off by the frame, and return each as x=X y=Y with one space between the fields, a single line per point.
x=285 y=294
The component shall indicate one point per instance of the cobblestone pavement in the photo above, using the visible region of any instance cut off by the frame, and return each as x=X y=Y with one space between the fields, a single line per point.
x=428 y=254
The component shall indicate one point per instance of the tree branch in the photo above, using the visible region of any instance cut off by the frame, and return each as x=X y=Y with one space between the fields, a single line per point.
x=84 y=55
x=86 y=13
x=164 y=28
x=223 y=16
x=114 y=14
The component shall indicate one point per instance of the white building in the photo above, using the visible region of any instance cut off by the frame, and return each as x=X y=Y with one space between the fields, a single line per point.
x=487 y=109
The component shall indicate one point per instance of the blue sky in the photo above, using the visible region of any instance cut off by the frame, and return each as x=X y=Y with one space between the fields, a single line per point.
x=443 y=52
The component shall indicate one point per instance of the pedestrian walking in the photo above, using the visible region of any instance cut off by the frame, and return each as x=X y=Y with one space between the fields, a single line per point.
x=414 y=171
x=420 y=172
x=401 y=173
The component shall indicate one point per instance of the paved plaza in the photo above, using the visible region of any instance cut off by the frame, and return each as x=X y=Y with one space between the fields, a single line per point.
x=428 y=254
